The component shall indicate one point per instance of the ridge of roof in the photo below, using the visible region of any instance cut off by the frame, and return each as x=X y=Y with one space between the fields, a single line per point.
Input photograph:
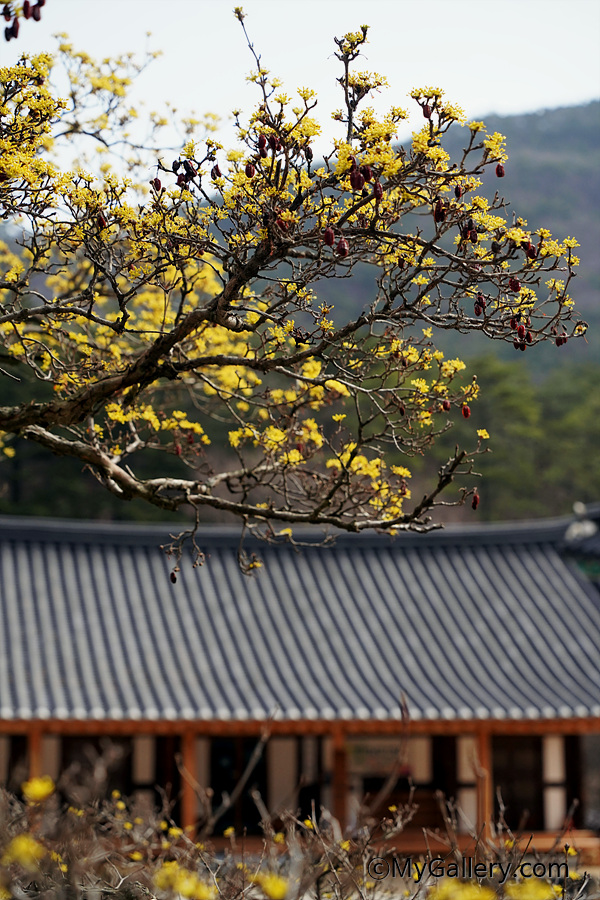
x=30 y=529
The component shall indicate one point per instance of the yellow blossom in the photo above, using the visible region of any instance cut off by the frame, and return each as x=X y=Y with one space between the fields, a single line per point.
x=38 y=789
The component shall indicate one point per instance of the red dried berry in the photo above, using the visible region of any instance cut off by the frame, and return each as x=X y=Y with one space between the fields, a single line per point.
x=531 y=252
x=438 y=212
x=500 y=170
x=250 y=170
x=156 y=184
x=402 y=409
x=215 y=172
x=36 y=12
x=473 y=236
x=15 y=27
x=263 y=152
x=367 y=173
x=173 y=578
x=272 y=142
x=521 y=331
x=262 y=142
x=458 y=192
x=516 y=344
x=175 y=165
x=181 y=180
x=7 y=34
x=308 y=153
x=529 y=337
x=427 y=111
x=522 y=345
x=41 y=2
x=513 y=323
x=478 y=309
x=101 y=220
x=466 y=411
x=7 y=12
x=357 y=181
x=329 y=237
x=475 y=500
x=189 y=169
x=378 y=190
x=26 y=9
x=514 y=284
x=446 y=405
x=342 y=248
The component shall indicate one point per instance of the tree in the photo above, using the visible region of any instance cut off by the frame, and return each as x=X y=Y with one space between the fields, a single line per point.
x=167 y=320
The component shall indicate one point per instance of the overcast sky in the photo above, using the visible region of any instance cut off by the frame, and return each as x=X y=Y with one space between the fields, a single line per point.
x=501 y=56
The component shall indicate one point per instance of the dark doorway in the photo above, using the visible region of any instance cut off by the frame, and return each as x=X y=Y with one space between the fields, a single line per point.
x=229 y=758
x=517 y=763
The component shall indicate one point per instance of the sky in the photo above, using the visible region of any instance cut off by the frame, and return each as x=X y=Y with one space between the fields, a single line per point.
x=489 y=56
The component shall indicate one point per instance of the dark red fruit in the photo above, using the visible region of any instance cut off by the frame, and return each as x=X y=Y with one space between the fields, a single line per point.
x=342 y=248
x=173 y=578
x=475 y=500
x=7 y=12
x=513 y=323
x=495 y=247
x=481 y=300
x=262 y=142
x=521 y=331
x=516 y=344
x=514 y=284
x=36 y=13
x=522 y=345
x=272 y=142
x=529 y=337
x=357 y=180
x=250 y=170
x=478 y=309
x=308 y=153
x=438 y=212
x=181 y=180
x=466 y=411
x=26 y=9
x=215 y=172
x=427 y=111
x=367 y=173
x=531 y=251
x=473 y=236
x=189 y=169
x=15 y=27
x=402 y=409
x=446 y=405
x=378 y=190
x=329 y=237
x=175 y=166
x=500 y=170
x=101 y=220
x=7 y=34
x=263 y=152
x=156 y=184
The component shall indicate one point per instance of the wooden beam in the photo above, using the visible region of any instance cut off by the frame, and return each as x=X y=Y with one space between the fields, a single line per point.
x=339 y=793
x=485 y=782
x=189 y=777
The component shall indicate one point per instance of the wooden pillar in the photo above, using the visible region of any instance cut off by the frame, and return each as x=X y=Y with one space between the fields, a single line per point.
x=34 y=751
x=189 y=777
x=339 y=792
x=485 y=783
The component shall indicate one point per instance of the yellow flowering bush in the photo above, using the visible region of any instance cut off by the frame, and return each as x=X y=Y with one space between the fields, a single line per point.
x=170 y=315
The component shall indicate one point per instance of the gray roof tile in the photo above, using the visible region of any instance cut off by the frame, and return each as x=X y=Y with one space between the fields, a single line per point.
x=471 y=623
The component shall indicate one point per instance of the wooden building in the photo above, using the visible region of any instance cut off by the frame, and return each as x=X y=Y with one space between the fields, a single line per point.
x=486 y=637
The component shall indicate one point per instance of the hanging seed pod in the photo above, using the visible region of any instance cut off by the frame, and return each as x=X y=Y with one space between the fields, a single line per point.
x=378 y=190
x=427 y=111
x=26 y=9
x=367 y=173
x=249 y=170
x=357 y=180
x=458 y=192
x=329 y=237
x=342 y=248
x=514 y=323
x=481 y=300
x=272 y=142
x=521 y=331
x=262 y=142
x=529 y=337
x=215 y=172
x=308 y=153
x=500 y=170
